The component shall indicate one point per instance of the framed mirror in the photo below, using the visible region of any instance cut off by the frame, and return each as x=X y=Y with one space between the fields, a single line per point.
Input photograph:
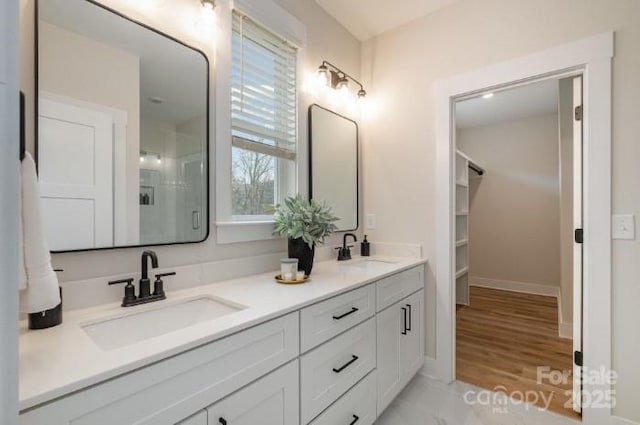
x=122 y=131
x=333 y=164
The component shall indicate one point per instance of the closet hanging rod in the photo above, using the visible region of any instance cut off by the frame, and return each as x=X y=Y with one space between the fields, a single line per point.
x=475 y=167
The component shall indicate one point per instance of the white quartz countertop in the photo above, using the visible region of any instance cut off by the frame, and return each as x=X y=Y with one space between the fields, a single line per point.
x=58 y=361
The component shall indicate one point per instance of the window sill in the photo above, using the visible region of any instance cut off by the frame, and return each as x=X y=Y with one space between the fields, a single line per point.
x=228 y=232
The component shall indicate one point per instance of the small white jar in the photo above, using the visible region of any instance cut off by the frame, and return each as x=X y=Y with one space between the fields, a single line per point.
x=288 y=267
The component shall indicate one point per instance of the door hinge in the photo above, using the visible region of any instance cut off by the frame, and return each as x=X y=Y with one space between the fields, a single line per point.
x=578 y=113
x=579 y=235
x=577 y=358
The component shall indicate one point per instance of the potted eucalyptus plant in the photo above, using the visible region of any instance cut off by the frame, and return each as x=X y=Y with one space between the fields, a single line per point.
x=306 y=223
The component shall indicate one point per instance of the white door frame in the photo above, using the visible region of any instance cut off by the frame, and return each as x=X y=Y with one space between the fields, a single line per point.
x=9 y=190
x=592 y=57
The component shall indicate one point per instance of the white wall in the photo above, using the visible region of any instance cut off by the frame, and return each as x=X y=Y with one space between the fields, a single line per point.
x=326 y=39
x=158 y=222
x=400 y=68
x=9 y=142
x=514 y=220
x=565 y=119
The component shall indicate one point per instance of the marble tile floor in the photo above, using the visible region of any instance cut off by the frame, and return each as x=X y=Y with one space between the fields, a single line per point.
x=426 y=401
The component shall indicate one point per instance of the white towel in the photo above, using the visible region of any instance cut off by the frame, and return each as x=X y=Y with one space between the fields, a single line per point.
x=41 y=291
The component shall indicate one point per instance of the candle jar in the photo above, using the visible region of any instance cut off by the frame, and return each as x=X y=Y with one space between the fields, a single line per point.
x=288 y=267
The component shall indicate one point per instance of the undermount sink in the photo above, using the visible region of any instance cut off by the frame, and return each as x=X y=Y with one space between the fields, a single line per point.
x=367 y=262
x=123 y=330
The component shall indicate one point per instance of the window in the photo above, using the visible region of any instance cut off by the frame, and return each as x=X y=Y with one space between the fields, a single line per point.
x=263 y=118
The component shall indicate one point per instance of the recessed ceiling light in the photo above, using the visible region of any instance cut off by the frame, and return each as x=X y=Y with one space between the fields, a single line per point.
x=487 y=96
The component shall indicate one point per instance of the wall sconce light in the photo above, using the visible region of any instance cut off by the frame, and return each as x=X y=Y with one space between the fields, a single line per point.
x=206 y=19
x=208 y=11
x=208 y=5
x=334 y=77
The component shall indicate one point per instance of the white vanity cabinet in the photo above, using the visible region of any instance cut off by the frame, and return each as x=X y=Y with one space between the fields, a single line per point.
x=338 y=361
x=271 y=400
x=400 y=346
x=171 y=390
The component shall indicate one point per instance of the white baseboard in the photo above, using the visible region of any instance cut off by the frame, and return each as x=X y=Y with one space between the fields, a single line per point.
x=617 y=420
x=565 y=330
x=523 y=287
x=429 y=368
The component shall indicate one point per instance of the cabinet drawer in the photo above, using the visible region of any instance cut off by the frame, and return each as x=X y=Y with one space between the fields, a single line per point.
x=321 y=322
x=394 y=288
x=171 y=390
x=330 y=370
x=271 y=400
x=357 y=406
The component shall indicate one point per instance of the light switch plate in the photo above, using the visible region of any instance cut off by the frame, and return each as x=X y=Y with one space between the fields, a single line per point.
x=371 y=221
x=624 y=226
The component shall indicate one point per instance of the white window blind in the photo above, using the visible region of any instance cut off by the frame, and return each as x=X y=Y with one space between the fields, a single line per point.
x=263 y=90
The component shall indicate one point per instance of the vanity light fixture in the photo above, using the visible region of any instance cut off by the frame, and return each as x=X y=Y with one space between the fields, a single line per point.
x=206 y=19
x=208 y=6
x=144 y=155
x=337 y=79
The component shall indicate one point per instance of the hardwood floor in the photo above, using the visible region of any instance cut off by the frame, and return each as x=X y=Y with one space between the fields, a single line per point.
x=504 y=337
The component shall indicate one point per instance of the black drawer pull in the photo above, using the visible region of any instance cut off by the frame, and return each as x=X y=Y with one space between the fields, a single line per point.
x=410 y=317
x=346 y=365
x=222 y=421
x=356 y=418
x=342 y=316
x=404 y=321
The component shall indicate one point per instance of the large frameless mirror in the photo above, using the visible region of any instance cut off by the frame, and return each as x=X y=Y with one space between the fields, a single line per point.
x=122 y=131
x=334 y=164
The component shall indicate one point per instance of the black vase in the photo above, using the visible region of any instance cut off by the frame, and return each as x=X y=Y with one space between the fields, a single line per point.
x=299 y=249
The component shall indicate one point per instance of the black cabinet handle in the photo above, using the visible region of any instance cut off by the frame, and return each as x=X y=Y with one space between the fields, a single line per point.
x=410 y=317
x=404 y=321
x=346 y=365
x=222 y=421
x=356 y=418
x=342 y=316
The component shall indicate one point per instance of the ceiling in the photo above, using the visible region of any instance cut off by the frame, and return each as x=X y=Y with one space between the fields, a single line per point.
x=368 y=18
x=506 y=105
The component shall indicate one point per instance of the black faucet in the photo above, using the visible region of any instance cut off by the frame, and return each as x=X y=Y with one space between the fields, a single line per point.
x=144 y=294
x=145 y=282
x=344 y=253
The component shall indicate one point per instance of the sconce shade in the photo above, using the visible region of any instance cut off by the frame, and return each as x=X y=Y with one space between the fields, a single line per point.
x=208 y=4
x=323 y=74
x=343 y=83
